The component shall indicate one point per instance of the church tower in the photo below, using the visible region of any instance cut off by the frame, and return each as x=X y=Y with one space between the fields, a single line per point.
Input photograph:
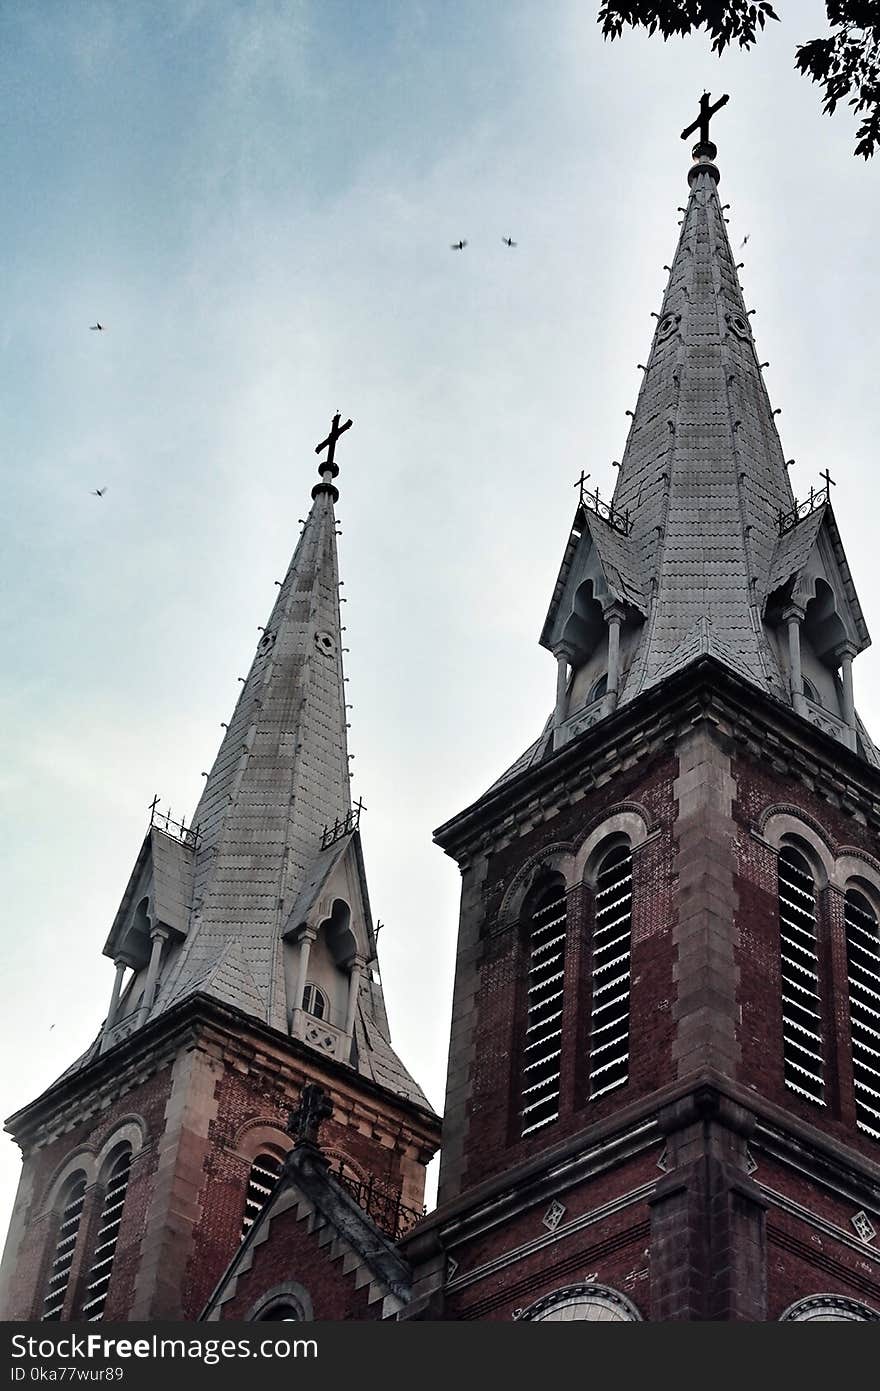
x=246 y=968
x=663 y=1098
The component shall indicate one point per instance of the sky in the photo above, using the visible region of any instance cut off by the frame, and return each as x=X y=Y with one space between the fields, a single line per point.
x=258 y=200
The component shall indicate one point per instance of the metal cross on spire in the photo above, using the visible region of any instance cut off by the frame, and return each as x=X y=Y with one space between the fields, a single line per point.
x=707 y=111
x=314 y=1107
x=330 y=445
x=328 y=468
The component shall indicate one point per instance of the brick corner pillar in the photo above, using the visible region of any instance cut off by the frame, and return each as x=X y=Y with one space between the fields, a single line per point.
x=708 y=1218
x=427 y=1256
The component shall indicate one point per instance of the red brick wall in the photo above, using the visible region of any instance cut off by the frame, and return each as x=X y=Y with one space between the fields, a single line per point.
x=207 y=1179
x=759 y=960
x=146 y=1103
x=493 y=1137
x=242 y=1097
x=292 y=1254
x=612 y=1251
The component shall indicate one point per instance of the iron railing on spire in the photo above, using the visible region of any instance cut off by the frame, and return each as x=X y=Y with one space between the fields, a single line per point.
x=350 y=822
x=615 y=517
x=177 y=830
x=787 y=521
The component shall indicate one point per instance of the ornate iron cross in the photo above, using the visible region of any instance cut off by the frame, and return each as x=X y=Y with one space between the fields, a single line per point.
x=330 y=442
x=706 y=113
x=314 y=1107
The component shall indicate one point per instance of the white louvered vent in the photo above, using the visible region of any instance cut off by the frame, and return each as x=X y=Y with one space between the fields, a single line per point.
x=542 y=1054
x=803 y=1066
x=59 y=1275
x=612 y=938
x=863 y=972
x=265 y=1172
x=101 y=1269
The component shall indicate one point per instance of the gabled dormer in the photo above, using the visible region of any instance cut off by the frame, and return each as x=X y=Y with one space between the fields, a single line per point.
x=330 y=946
x=155 y=910
x=597 y=608
x=815 y=620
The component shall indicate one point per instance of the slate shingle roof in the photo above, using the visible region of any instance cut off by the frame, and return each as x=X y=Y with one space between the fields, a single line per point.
x=280 y=777
x=704 y=481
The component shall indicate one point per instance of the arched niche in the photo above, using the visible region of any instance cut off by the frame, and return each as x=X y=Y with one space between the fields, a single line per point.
x=823 y=628
x=584 y=628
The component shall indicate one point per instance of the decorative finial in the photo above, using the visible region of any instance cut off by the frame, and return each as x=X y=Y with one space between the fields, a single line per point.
x=705 y=150
x=305 y=1121
x=328 y=468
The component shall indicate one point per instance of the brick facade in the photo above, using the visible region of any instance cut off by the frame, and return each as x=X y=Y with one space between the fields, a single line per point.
x=703 y=1188
x=205 y=1095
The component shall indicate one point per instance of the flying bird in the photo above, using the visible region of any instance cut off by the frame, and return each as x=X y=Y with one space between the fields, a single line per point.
x=458 y=245
x=508 y=241
x=99 y=492
x=744 y=240
x=97 y=327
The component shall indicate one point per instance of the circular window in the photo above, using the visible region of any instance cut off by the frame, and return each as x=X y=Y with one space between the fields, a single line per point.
x=326 y=643
x=738 y=325
x=667 y=326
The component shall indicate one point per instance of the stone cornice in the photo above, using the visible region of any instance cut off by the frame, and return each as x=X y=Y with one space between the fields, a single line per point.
x=826 y=1160
x=199 y=1019
x=705 y=691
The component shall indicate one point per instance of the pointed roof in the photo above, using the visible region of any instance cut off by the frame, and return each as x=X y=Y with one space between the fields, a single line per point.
x=280 y=776
x=703 y=474
x=274 y=838
x=703 y=537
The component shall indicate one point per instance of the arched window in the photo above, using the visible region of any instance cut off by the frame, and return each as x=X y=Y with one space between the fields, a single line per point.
x=593 y=1303
x=600 y=688
x=265 y=1172
x=542 y=1051
x=612 y=937
x=803 y=1067
x=829 y=1308
x=863 y=972
x=71 y=1204
x=282 y=1312
x=810 y=691
x=101 y=1269
x=314 y=1002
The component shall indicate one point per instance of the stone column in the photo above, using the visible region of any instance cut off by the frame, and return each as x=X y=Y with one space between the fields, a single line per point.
x=613 y=616
x=560 y=714
x=794 y=617
x=708 y=1216
x=845 y=656
x=114 y=1000
x=307 y=937
x=354 y=981
x=158 y=936
x=115 y=993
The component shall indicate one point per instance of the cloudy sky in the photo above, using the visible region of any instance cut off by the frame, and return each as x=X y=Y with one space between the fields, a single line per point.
x=257 y=198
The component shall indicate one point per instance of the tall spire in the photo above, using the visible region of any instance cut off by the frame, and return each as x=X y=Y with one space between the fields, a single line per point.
x=281 y=773
x=272 y=864
x=703 y=547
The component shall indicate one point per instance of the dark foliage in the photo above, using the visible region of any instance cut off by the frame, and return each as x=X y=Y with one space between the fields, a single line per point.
x=846 y=64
